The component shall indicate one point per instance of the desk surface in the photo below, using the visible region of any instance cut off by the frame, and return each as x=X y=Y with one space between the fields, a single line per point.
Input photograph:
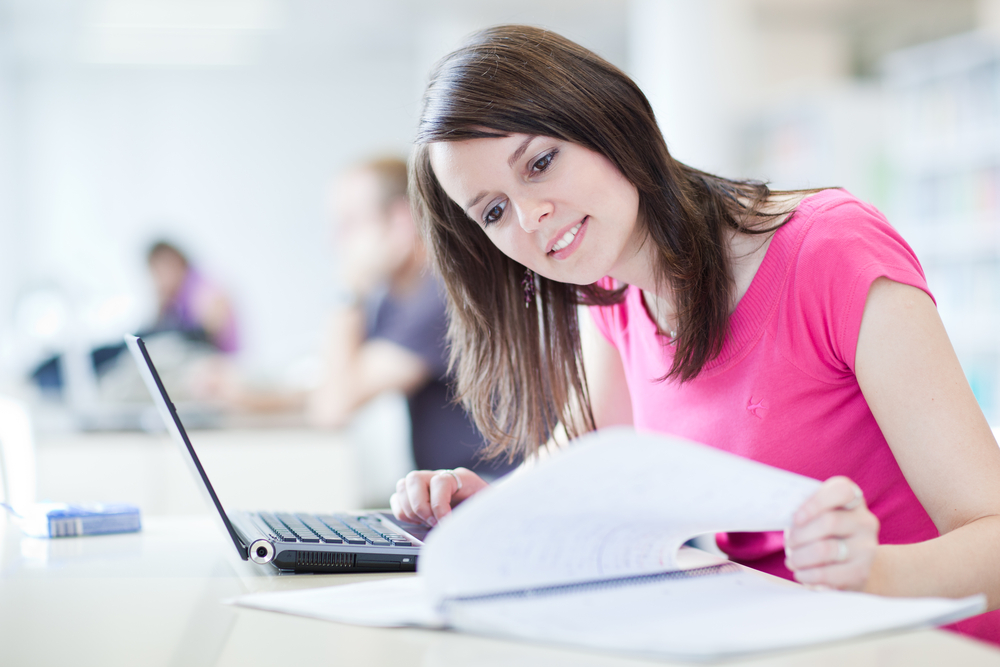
x=153 y=598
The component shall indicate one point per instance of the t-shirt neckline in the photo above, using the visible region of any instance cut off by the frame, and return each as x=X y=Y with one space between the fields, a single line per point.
x=747 y=320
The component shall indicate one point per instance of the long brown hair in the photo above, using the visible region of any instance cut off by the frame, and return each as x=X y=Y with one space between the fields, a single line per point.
x=520 y=370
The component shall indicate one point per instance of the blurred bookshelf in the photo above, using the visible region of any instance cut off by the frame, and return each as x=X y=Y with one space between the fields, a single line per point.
x=943 y=150
x=826 y=137
x=922 y=143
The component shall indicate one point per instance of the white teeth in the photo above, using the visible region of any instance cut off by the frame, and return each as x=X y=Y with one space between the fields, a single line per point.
x=567 y=238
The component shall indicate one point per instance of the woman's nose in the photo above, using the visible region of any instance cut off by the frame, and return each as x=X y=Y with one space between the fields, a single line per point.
x=533 y=214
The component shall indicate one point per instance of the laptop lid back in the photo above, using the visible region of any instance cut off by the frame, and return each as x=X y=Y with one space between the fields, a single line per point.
x=169 y=413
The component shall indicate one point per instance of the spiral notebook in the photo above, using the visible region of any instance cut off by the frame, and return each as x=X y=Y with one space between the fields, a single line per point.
x=585 y=551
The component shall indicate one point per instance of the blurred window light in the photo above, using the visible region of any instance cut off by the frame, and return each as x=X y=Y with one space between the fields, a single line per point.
x=107 y=317
x=197 y=33
x=42 y=315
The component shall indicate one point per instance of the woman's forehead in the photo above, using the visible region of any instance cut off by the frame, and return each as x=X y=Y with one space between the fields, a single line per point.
x=457 y=164
x=445 y=155
x=464 y=167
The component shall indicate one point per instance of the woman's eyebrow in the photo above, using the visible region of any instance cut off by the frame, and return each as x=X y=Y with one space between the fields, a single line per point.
x=519 y=151
x=475 y=200
x=514 y=157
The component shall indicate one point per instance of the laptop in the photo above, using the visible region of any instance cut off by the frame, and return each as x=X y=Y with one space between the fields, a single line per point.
x=294 y=541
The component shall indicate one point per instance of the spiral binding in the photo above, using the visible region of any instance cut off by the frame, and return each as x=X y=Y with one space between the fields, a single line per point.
x=596 y=584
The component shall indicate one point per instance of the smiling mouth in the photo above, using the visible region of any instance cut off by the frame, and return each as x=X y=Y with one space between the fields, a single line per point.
x=567 y=238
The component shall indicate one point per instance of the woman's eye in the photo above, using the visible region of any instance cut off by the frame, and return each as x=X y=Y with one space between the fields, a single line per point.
x=542 y=163
x=493 y=214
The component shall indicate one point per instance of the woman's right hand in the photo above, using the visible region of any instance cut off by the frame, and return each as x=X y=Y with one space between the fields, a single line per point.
x=425 y=496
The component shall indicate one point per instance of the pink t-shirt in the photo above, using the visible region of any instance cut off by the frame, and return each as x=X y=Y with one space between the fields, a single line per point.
x=783 y=389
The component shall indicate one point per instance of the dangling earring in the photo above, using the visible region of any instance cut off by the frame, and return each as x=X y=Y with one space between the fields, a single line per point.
x=528 y=285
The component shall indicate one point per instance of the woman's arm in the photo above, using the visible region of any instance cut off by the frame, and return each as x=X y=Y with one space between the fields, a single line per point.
x=919 y=396
x=610 y=399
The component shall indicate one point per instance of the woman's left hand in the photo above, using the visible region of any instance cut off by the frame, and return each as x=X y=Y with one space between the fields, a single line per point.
x=833 y=538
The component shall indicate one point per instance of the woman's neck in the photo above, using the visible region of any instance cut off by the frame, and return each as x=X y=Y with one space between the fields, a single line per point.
x=745 y=252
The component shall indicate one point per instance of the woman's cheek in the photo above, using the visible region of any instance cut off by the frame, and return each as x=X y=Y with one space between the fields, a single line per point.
x=517 y=245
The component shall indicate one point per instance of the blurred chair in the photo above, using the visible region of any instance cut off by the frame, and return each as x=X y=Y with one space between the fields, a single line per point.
x=17 y=454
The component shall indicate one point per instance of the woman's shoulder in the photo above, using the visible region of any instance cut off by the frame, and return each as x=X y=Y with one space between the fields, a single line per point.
x=838 y=244
x=834 y=226
x=837 y=214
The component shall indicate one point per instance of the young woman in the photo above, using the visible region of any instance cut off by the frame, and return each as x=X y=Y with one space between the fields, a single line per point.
x=794 y=328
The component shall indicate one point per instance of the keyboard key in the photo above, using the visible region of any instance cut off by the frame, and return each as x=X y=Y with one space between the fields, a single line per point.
x=331 y=529
x=331 y=522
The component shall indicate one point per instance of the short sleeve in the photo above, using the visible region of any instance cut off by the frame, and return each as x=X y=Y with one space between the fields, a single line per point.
x=610 y=320
x=417 y=323
x=847 y=246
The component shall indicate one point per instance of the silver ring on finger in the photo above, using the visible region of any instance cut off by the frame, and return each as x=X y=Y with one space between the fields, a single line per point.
x=841 y=550
x=856 y=500
x=458 y=482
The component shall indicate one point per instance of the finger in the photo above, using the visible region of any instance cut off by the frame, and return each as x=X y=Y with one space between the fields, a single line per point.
x=402 y=501
x=823 y=552
x=419 y=497
x=834 y=493
x=471 y=484
x=833 y=523
x=850 y=575
x=395 y=508
x=858 y=523
x=443 y=487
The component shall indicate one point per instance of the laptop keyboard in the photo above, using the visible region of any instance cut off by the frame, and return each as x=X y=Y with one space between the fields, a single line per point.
x=330 y=529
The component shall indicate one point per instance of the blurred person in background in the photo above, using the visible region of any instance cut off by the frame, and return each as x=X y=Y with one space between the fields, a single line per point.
x=193 y=315
x=387 y=328
x=188 y=303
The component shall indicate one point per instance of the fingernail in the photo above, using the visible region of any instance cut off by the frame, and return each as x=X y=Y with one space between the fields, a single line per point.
x=431 y=521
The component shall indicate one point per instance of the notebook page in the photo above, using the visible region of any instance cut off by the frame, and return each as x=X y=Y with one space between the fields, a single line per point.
x=615 y=503
x=388 y=603
x=719 y=616
x=385 y=603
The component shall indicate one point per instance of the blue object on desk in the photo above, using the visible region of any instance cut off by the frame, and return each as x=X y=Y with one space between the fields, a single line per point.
x=65 y=520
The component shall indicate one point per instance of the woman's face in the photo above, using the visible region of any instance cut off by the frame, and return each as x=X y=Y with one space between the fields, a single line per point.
x=556 y=207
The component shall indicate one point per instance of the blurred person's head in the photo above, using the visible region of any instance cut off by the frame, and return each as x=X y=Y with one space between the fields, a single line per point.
x=374 y=230
x=169 y=268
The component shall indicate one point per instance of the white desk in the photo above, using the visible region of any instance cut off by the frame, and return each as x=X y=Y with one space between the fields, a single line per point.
x=152 y=598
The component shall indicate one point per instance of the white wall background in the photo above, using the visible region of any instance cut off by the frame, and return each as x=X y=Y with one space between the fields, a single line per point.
x=216 y=124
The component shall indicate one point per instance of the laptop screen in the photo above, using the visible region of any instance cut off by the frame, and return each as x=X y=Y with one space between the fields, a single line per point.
x=169 y=413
